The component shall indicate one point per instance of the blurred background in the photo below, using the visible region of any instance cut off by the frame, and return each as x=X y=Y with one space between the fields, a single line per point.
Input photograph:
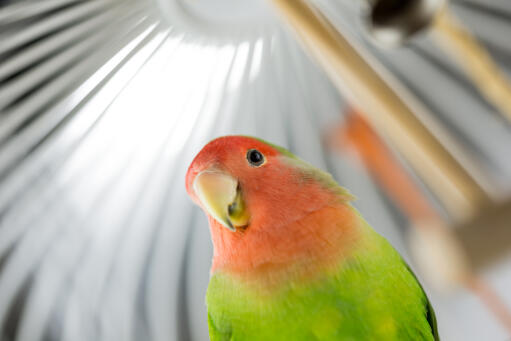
x=104 y=103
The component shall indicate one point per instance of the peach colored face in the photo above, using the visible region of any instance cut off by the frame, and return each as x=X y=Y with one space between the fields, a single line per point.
x=262 y=204
x=241 y=182
x=229 y=172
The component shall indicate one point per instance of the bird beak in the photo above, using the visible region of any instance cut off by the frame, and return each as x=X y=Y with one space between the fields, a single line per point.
x=220 y=194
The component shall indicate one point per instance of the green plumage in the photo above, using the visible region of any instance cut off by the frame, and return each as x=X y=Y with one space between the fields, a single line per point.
x=373 y=295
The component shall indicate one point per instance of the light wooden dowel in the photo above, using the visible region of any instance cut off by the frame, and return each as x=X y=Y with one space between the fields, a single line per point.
x=473 y=58
x=363 y=84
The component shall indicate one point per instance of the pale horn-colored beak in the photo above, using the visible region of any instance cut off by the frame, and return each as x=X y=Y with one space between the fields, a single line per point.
x=221 y=197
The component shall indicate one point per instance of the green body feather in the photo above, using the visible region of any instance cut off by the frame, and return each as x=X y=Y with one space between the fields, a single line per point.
x=372 y=295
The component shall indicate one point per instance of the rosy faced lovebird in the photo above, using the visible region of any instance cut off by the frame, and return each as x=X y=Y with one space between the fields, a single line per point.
x=293 y=260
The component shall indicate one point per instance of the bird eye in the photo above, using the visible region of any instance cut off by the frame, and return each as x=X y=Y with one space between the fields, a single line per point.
x=255 y=158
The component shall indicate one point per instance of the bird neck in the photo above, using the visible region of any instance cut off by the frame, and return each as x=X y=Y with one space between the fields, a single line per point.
x=277 y=253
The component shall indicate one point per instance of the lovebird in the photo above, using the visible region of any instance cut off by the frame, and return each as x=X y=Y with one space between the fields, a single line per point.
x=293 y=259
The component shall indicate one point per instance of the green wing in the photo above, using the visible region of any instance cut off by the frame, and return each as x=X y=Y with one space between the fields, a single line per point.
x=430 y=313
x=432 y=321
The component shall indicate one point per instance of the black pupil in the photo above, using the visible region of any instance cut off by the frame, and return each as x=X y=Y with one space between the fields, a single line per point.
x=255 y=157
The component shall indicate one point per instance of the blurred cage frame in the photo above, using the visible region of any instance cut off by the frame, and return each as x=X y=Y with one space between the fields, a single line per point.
x=480 y=216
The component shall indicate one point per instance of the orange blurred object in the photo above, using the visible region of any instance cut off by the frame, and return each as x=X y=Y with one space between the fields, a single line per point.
x=384 y=167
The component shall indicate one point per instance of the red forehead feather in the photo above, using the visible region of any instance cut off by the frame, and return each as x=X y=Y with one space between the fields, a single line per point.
x=223 y=146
